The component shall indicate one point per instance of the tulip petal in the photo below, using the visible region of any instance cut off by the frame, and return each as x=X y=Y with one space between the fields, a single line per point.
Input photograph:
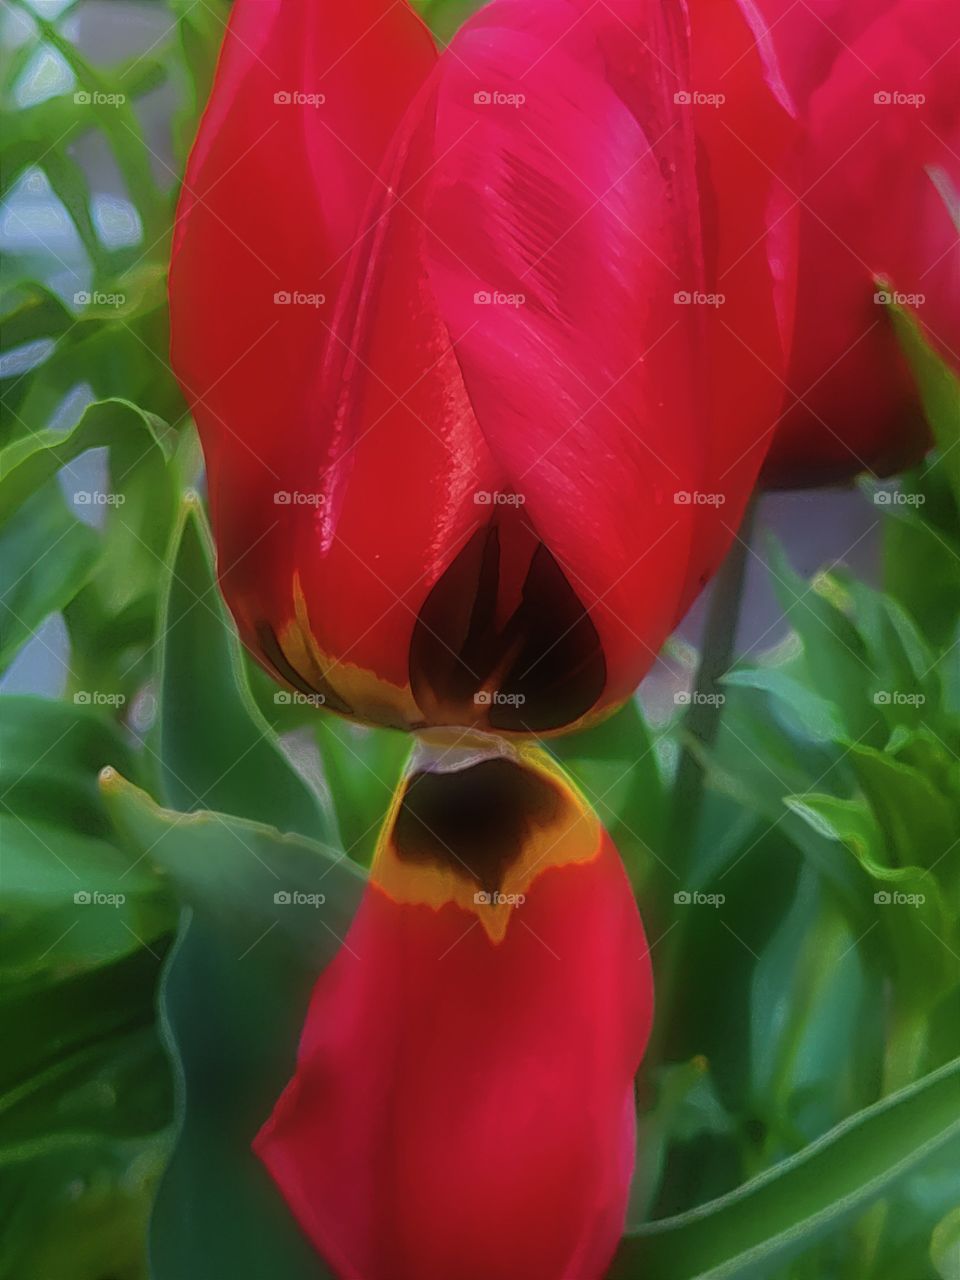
x=745 y=126
x=463 y=1106
x=883 y=127
x=305 y=101
x=563 y=212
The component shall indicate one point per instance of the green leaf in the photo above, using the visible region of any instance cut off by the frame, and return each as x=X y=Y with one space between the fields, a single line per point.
x=811 y=714
x=615 y=764
x=216 y=749
x=50 y=756
x=128 y=431
x=46 y=556
x=73 y=902
x=85 y=1101
x=834 y=655
x=117 y=121
x=233 y=1001
x=939 y=390
x=945 y=1246
x=363 y=768
x=774 y=1217
x=77 y=1210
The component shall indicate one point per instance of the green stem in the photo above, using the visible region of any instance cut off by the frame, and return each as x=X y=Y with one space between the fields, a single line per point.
x=702 y=721
x=700 y=727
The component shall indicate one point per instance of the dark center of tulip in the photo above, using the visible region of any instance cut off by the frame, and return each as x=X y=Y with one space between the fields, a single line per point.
x=476 y=820
x=518 y=650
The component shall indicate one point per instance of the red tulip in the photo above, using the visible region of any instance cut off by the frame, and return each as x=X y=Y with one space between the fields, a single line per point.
x=463 y=1101
x=879 y=84
x=477 y=425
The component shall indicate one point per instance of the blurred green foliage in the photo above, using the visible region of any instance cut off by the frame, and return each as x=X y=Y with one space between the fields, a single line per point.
x=801 y=1102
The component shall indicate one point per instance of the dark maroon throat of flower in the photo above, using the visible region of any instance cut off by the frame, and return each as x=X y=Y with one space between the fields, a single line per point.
x=476 y=820
x=504 y=633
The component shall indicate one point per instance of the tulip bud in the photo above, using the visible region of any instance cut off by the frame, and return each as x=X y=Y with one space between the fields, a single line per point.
x=483 y=348
x=879 y=86
x=463 y=1103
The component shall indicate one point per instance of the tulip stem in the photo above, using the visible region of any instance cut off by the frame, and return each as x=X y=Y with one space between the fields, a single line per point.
x=701 y=725
x=702 y=721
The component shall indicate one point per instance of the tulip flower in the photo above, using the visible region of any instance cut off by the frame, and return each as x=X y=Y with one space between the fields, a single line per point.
x=878 y=85
x=483 y=347
x=463 y=1100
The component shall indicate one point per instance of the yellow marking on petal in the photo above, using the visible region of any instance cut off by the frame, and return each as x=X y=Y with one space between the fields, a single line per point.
x=366 y=694
x=572 y=835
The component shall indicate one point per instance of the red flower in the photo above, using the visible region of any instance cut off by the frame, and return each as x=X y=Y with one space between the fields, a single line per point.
x=879 y=84
x=463 y=1101
x=483 y=348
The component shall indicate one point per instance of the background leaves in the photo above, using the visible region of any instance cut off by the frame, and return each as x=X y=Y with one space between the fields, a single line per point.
x=799 y=1102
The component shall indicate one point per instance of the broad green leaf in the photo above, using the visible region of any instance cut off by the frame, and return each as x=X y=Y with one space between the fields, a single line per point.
x=73 y=902
x=215 y=748
x=753 y=1231
x=50 y=755
x=266 y=913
